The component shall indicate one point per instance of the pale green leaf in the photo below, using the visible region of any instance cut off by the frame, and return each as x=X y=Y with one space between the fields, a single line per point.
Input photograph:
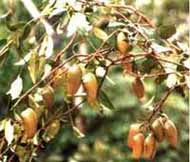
x=99 y=33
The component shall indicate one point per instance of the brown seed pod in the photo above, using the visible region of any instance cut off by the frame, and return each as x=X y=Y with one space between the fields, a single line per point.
x=171 y=133
x=157 y=127
x=138 y=87
x=91 y=87
x=149 y=147
x=59 y=77
x=122 y=43
x=48 y=96
x=138 y=144
x=74 y=76
x=133 y=130
x=30 y=122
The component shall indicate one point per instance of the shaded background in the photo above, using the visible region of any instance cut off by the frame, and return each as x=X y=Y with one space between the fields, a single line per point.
x=105 y=139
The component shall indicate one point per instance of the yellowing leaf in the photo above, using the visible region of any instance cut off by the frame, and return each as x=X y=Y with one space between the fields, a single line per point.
x=100 y=33
x=16 y=88
x=36 y=66
x=9 y=132
x=2 y=124
x=32 y=67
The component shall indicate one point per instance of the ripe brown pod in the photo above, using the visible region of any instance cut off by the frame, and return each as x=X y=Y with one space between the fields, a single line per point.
x=171 y=133
x=138 y=87
x=157 y=127
x=74 y=76
x=138 y=145
x=59 y=77
x=133 y=130
x=48 y=96
x=91 y=88
x=30 y=122
x=122 y=43
x=149 y=147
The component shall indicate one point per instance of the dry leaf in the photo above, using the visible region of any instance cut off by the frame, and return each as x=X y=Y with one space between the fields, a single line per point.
x=9 y=132
x=16 y=88
x=36 y=66
x=49 y=47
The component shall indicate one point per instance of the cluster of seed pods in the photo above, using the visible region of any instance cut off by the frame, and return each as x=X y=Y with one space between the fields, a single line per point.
x=71 y=78
x=145 y=146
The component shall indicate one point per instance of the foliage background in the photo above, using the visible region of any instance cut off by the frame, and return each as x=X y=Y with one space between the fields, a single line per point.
x=105 y=138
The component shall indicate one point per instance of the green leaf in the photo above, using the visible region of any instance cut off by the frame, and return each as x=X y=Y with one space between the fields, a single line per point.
x=14 y=27
x=105 y=100
x=26 y=32
x=166 y=31
x=3 y=42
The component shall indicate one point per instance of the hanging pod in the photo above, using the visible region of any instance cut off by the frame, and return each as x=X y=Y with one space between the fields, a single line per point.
x=48 y=96
x=122 y=43
x=157 y=127
x=74 y=76
x=59 y=77
x=91 y=87
x=30 y=122
x=138 y=87
x=133 y=130
x=149 y=147
x=171 y=133
x=138 y=145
